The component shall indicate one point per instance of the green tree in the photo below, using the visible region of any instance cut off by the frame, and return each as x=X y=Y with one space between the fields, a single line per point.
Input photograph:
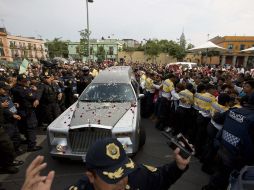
x=57 y=48
x=153 y=49
x=176 y=50
x=100 y=54
x=189 y=46
x=83 y=46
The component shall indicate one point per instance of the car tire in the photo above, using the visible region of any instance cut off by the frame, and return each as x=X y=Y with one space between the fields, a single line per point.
x=142 y=137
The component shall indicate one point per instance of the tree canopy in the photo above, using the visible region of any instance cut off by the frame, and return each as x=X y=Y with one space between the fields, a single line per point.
x=57 y=48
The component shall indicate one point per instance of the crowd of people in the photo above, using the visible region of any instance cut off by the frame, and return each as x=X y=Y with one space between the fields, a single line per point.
x=212 y=107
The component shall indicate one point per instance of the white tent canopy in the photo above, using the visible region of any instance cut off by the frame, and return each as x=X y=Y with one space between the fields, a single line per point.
x=248 y=50
x=208 y=46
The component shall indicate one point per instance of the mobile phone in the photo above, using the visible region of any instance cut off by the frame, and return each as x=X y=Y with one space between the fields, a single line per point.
x=175 y=143
x=183 y=140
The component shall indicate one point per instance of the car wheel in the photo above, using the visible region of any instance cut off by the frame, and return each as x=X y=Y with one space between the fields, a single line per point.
x=142 y=137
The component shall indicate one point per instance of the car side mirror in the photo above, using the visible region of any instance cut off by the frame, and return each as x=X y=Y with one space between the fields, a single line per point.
x=76 y=95
x=140 y=96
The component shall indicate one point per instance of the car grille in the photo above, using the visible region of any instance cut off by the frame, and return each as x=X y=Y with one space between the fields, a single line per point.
x=81 y=139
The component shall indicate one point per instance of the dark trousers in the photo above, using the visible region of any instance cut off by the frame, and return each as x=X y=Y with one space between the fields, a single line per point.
x=51 y=112
x=149 y=105
x=220 y=180
x=184 y=124
x=27 y=126
x=210 y=149
x=201 y=135
x=6 y=149
x=13 y=132
x=163 y=113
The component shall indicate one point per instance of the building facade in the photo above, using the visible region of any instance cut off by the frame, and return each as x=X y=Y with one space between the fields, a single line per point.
x=131 y=43
x=139 y=56
x=99 y=49
x=234 y=55
x=12 y=47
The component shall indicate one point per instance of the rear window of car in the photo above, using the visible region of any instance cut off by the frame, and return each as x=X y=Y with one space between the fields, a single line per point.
x=108 y=93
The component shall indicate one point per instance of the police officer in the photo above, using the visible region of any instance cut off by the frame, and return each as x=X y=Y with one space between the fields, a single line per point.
x=10 y=117
x=237 y=144
x=49 y=99
x=83 y=80
x=27 y=99
x=109 y=168
x=7 y=162
x=70 y=88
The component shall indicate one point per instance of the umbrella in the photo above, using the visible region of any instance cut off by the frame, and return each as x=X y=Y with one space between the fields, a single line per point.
x=248 y=50
x=208 y=46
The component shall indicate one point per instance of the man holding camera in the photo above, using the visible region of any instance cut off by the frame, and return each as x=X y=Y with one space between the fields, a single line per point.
x=109 y=168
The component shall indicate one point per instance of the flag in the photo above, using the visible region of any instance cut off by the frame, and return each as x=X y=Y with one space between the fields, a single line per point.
x=23 y=67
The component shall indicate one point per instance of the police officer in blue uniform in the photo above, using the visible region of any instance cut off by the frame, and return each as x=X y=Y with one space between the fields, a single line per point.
x=49 y=99
x=109 y=168
x=10 y=117
x=237 y=144
x=83 y=79
x=27 y=99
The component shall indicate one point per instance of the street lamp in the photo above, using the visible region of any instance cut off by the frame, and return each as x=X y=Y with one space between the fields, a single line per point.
x=87 y=20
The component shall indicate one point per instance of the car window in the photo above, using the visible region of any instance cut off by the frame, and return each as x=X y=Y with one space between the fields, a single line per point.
x=108 y=93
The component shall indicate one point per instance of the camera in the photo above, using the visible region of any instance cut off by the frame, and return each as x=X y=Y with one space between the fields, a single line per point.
x=179 y=141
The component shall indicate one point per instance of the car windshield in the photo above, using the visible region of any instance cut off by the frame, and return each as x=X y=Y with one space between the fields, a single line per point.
x=108 y=93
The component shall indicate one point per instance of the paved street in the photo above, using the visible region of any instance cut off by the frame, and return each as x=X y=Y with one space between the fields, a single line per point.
x=155 y=152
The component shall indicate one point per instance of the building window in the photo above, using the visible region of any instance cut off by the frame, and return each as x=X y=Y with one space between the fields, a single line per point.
x=242 y=47
x=230 y=46
x=1 y=51
x=111 y=50
x=11 y=44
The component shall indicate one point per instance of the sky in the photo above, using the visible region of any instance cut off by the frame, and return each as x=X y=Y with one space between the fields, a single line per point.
x=129 y=19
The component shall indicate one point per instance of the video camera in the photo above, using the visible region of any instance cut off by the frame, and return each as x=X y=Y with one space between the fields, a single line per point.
x=179 y=141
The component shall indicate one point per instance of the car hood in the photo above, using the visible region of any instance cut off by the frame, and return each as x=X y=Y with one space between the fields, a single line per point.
x=107 y=114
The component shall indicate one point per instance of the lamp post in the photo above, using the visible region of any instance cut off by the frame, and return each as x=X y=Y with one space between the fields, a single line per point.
x=88 y=30
x=145 y=49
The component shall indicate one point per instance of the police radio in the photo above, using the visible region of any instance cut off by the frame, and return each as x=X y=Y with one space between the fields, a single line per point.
x=179 y=141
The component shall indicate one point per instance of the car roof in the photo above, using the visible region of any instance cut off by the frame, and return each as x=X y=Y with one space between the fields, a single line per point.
x=116 y=74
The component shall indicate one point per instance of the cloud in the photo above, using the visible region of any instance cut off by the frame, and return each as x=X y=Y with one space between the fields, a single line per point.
x=138 y=19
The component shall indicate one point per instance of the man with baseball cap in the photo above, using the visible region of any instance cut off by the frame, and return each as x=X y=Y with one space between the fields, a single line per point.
x=109 y=168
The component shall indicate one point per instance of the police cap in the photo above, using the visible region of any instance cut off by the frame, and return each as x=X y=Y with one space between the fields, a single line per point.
x=85 y=69
x=22 y=77
x=4 y=85
x=109 y=160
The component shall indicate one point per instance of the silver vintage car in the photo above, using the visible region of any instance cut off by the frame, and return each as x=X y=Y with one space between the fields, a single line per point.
x=108 y=107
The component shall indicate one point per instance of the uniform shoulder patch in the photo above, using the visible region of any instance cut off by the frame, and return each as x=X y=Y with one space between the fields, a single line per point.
x=150 y=168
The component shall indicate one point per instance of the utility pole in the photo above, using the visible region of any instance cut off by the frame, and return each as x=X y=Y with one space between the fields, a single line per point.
x=88 y=29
